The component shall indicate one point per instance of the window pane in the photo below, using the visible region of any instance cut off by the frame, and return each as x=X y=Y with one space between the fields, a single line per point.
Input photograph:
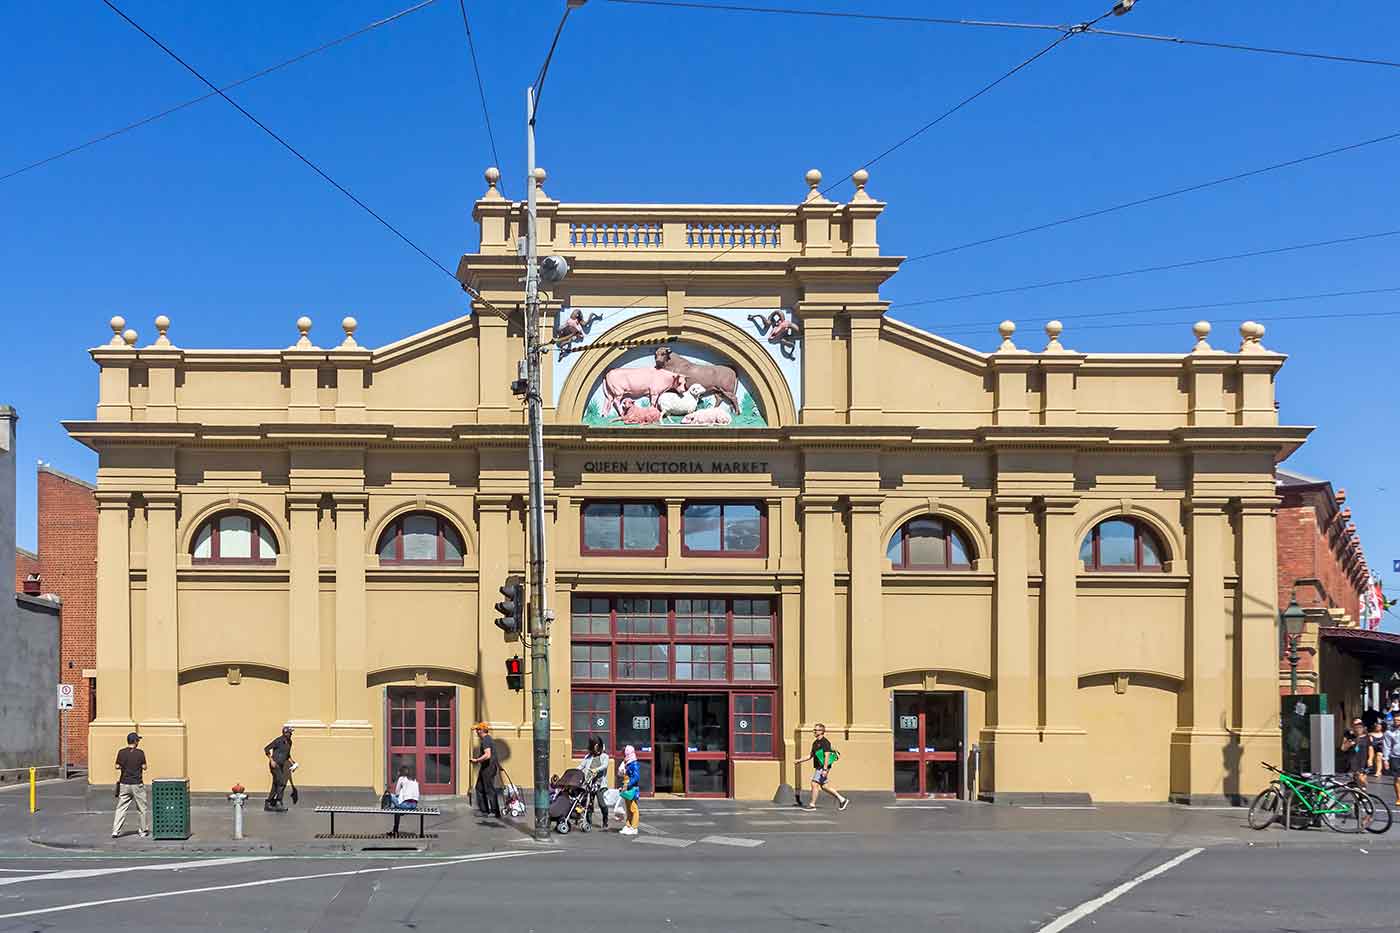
x=895 y=550
x=235 y=537
x=203 y=542
x=420 y=537
x=451 y=543
x=742 y=528
x=588 y=616
x=267 y=545
x=927 y=546
x=600 y=526
x=1116 y=544
x=700 y=524
x=959 y=556
x=1086 y=550
x=1150 y=556
x=387 y=543
x=641 y=616
x=641 y=526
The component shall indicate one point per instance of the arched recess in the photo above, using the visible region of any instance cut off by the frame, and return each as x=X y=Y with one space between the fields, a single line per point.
x=222 y=670
x=1167 y=533
x=920 y=678
x=962 y=520
x=232 y=504
x=436 y=676
x=716 y=335
x=424 y=505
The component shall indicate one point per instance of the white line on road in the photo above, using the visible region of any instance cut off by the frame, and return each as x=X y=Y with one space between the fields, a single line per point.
x=700 y=823
x=665 y=841
x=771 y=823
x=915 y=806
x=63 y=908
x=1066 y=920
x=732 y=841
x=1054 y=808
x=175 y=866
x=35 y=871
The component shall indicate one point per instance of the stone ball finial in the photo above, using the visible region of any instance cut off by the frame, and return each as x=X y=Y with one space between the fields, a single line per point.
x=540 y=176
x=493 y=175
x=1053 y=329
x=1006 y=329
x=162 y=323
x=1202 y=330
x=1251 y=337
x=814 y=177
x=304 y=331
x=860 y=177
x=129 y=337
x=117 y=323
x=304 y=325
x=348 y=325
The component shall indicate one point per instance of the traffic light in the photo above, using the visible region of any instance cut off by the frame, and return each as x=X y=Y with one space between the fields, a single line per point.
x=515 y=673
x=512 y=605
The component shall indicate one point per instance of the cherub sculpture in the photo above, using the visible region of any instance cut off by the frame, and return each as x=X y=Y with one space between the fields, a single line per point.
x=779 y=329
x=573 y=330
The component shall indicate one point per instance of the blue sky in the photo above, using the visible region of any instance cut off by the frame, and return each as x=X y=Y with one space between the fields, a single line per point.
x=203 y=218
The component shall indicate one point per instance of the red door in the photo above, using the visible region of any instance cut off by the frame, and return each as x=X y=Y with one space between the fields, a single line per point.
x=423 y=737
x=928 y=744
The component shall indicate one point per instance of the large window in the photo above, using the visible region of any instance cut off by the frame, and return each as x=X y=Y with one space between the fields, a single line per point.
x=420 y=538
x=1122 y=544
x=753 y=724
x=928 y=543
x=591 y=715
x=724 y=529
x=236 y=538
x=680 y=639
x=623 y=528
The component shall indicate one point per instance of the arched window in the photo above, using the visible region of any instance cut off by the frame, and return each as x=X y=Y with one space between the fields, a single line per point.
x=420 y=538
x=234 y=537
x=1122 y=544
x=928 y=543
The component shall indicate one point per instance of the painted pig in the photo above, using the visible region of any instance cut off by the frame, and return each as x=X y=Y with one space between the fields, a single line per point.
x=636 y=382
x=632 y=413
x=714 y=415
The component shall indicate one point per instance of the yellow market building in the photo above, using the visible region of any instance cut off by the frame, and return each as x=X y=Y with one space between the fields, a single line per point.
x=799 y=510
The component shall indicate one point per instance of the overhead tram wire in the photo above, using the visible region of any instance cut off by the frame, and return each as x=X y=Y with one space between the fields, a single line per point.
x=1145 y=269
x=1238 y=47
x=970 y=326
x=293 y=150
x=227 y=87
x=1161 y=196
x=1269 y=319
x=480 y=86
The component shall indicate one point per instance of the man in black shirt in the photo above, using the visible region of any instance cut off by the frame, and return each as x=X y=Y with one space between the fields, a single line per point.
x=823 y=757
x=131 y=767
x=279 y=759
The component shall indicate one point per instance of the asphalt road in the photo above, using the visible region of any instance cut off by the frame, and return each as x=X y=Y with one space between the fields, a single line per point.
x=766 y=871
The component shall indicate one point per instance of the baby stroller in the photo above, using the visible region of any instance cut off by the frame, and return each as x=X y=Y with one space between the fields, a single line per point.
x=570 y=798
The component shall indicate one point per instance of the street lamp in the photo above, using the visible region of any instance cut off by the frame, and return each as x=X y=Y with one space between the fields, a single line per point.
x=1294 y=620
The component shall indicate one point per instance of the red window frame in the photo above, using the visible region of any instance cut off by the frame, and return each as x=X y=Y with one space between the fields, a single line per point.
x=950 y=532
x=418 y=701
x=622 y=550
x=735 y=716
x=1140 y=531
x=445 y=529
x=256 y=525
x=762 y=550
x=591 y=712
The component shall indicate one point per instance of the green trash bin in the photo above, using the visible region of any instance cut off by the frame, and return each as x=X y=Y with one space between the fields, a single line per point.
x=170 y=808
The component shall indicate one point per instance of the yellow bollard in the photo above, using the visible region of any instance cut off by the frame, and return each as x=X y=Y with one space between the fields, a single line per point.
x=32 y=806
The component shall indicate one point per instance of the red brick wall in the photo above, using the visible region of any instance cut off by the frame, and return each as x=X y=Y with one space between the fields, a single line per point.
x=24 y=566
x=68 y=564
x=1308 y=551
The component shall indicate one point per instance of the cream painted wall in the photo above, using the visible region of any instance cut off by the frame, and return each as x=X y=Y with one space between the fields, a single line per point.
x=1129 y=738
x=228 y=623
x=227 y=727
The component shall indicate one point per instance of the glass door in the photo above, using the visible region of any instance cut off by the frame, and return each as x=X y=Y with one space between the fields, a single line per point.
x=707 y=745
x=634 y=727
x=422 y=737
x=668 y=729
x=928 y=744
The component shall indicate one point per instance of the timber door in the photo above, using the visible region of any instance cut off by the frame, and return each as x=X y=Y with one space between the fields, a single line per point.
x=422 y=735
x=928 y=744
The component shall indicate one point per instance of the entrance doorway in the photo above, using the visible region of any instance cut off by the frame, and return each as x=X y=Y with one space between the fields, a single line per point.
x=930 y=732
x=422 y=735
x=682 y=740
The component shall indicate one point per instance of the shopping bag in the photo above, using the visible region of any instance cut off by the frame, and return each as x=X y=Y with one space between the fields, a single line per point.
x=612 y=798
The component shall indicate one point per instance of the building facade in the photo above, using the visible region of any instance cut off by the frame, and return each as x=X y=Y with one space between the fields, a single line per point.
x=770 y=505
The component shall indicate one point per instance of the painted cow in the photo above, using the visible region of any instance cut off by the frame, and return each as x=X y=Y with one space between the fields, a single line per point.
x=636 y=382
x=719 y=379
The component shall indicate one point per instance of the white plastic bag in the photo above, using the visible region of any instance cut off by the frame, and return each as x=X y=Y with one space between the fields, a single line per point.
x=612 y=798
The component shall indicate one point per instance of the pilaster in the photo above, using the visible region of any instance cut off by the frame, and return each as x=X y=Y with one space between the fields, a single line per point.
x=865 y=376
x=818 y=349
x=870 y=724
x=306 y=705
x=1257 y=640
x=162 y=730
x=822 y=687
x=107 y=732
x=350 y=733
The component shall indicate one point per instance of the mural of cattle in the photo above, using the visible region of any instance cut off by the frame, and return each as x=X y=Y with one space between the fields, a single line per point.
x=718 y=379
x=638 y=382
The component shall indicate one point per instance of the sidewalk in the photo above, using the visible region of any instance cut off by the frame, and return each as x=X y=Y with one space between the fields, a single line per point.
x=74 y=817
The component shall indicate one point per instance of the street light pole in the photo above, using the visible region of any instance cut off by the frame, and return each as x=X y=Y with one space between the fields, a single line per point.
x=1294 y=620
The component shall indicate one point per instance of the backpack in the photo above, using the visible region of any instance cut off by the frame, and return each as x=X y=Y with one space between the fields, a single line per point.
x=829 y=758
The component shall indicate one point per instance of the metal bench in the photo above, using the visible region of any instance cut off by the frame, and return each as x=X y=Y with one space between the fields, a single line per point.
x=421 y=813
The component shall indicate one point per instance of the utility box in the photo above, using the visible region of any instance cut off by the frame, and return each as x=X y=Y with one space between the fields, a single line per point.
x=170 y=808
x=1322 y=734
x=1294 y=713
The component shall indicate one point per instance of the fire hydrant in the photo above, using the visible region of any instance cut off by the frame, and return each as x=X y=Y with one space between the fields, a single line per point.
x=238 y=796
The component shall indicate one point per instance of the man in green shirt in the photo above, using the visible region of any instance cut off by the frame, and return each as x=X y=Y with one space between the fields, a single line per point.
x=824 y=757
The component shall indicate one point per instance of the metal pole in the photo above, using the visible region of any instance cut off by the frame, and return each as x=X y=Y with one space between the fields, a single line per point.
x=539 y=633
x=1293 y=659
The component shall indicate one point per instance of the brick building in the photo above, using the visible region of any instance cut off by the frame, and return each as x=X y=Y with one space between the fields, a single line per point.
x=66 y=564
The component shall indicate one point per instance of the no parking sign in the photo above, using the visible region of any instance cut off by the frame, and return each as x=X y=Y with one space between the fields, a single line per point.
x=65 y=696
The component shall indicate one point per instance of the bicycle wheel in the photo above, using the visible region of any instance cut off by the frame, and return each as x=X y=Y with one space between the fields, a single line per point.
x=1348 y=811
x=1380 y=821
x=1266 y=809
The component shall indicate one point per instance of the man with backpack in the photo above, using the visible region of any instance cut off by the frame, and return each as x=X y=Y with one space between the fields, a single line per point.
x=824 y=758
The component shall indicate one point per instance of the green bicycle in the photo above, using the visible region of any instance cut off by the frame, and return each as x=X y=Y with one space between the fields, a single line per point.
x=1297 y=802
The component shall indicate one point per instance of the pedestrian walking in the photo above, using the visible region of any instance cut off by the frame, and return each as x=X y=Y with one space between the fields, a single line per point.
x=279 y=764
x=1356 y=745
x=1375 y=761
x=1390 y=753
x=405 y=795
x=824 y=758
x=488 y=803
x=630 y=774
x=595 y=767
x=131 y=785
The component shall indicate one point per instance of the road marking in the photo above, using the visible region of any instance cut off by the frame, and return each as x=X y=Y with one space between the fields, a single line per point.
x=770 y=822
x=915 y=806
x=95 y=872
x=665 y=841
x=1188 y=807
x=732 y=841
x=488 y=857
x=1054 y=808
x=700 y=823
x=649 y=828
x=1066 y=920
x=36 y=871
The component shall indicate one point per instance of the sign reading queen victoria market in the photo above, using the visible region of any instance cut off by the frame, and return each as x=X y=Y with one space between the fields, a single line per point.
x=675 y=466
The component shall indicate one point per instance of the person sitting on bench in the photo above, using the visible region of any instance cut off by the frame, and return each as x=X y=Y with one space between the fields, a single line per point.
x=405 y=795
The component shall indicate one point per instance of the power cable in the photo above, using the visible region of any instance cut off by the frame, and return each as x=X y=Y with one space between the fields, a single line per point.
x=875 y=17
x=480 y=86
x=227 y=87
x=1293 y=53
x=1162 y=196
x=978 y=325
x=1272 y=318
x=292 y=149
x=1145 y=269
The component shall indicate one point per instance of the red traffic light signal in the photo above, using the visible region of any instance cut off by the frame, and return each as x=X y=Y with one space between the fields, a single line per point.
x=515 y=673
